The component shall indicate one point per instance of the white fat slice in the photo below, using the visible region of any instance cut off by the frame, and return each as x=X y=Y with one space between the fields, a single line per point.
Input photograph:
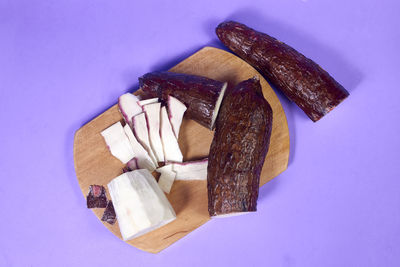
x=118 y=143
x=176 y=110
x=139 y=125
x=147 y=101
x=171 y=149
x=153 y=122
x=139 y=204
x=167 y=177
x=128 y=106
x=143 y=159
x=191 y=170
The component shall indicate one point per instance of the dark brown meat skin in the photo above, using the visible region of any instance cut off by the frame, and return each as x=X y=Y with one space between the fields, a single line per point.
x=299 y=78
x=199 y=94
x=238 y=150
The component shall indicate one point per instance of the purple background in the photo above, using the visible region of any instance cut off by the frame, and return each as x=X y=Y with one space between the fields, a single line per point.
x=64 y=62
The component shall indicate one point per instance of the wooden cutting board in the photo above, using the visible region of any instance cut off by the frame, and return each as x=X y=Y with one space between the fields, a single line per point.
x=95 y=165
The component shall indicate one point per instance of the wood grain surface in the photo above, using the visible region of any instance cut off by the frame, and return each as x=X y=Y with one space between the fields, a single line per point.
x=95 y=165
